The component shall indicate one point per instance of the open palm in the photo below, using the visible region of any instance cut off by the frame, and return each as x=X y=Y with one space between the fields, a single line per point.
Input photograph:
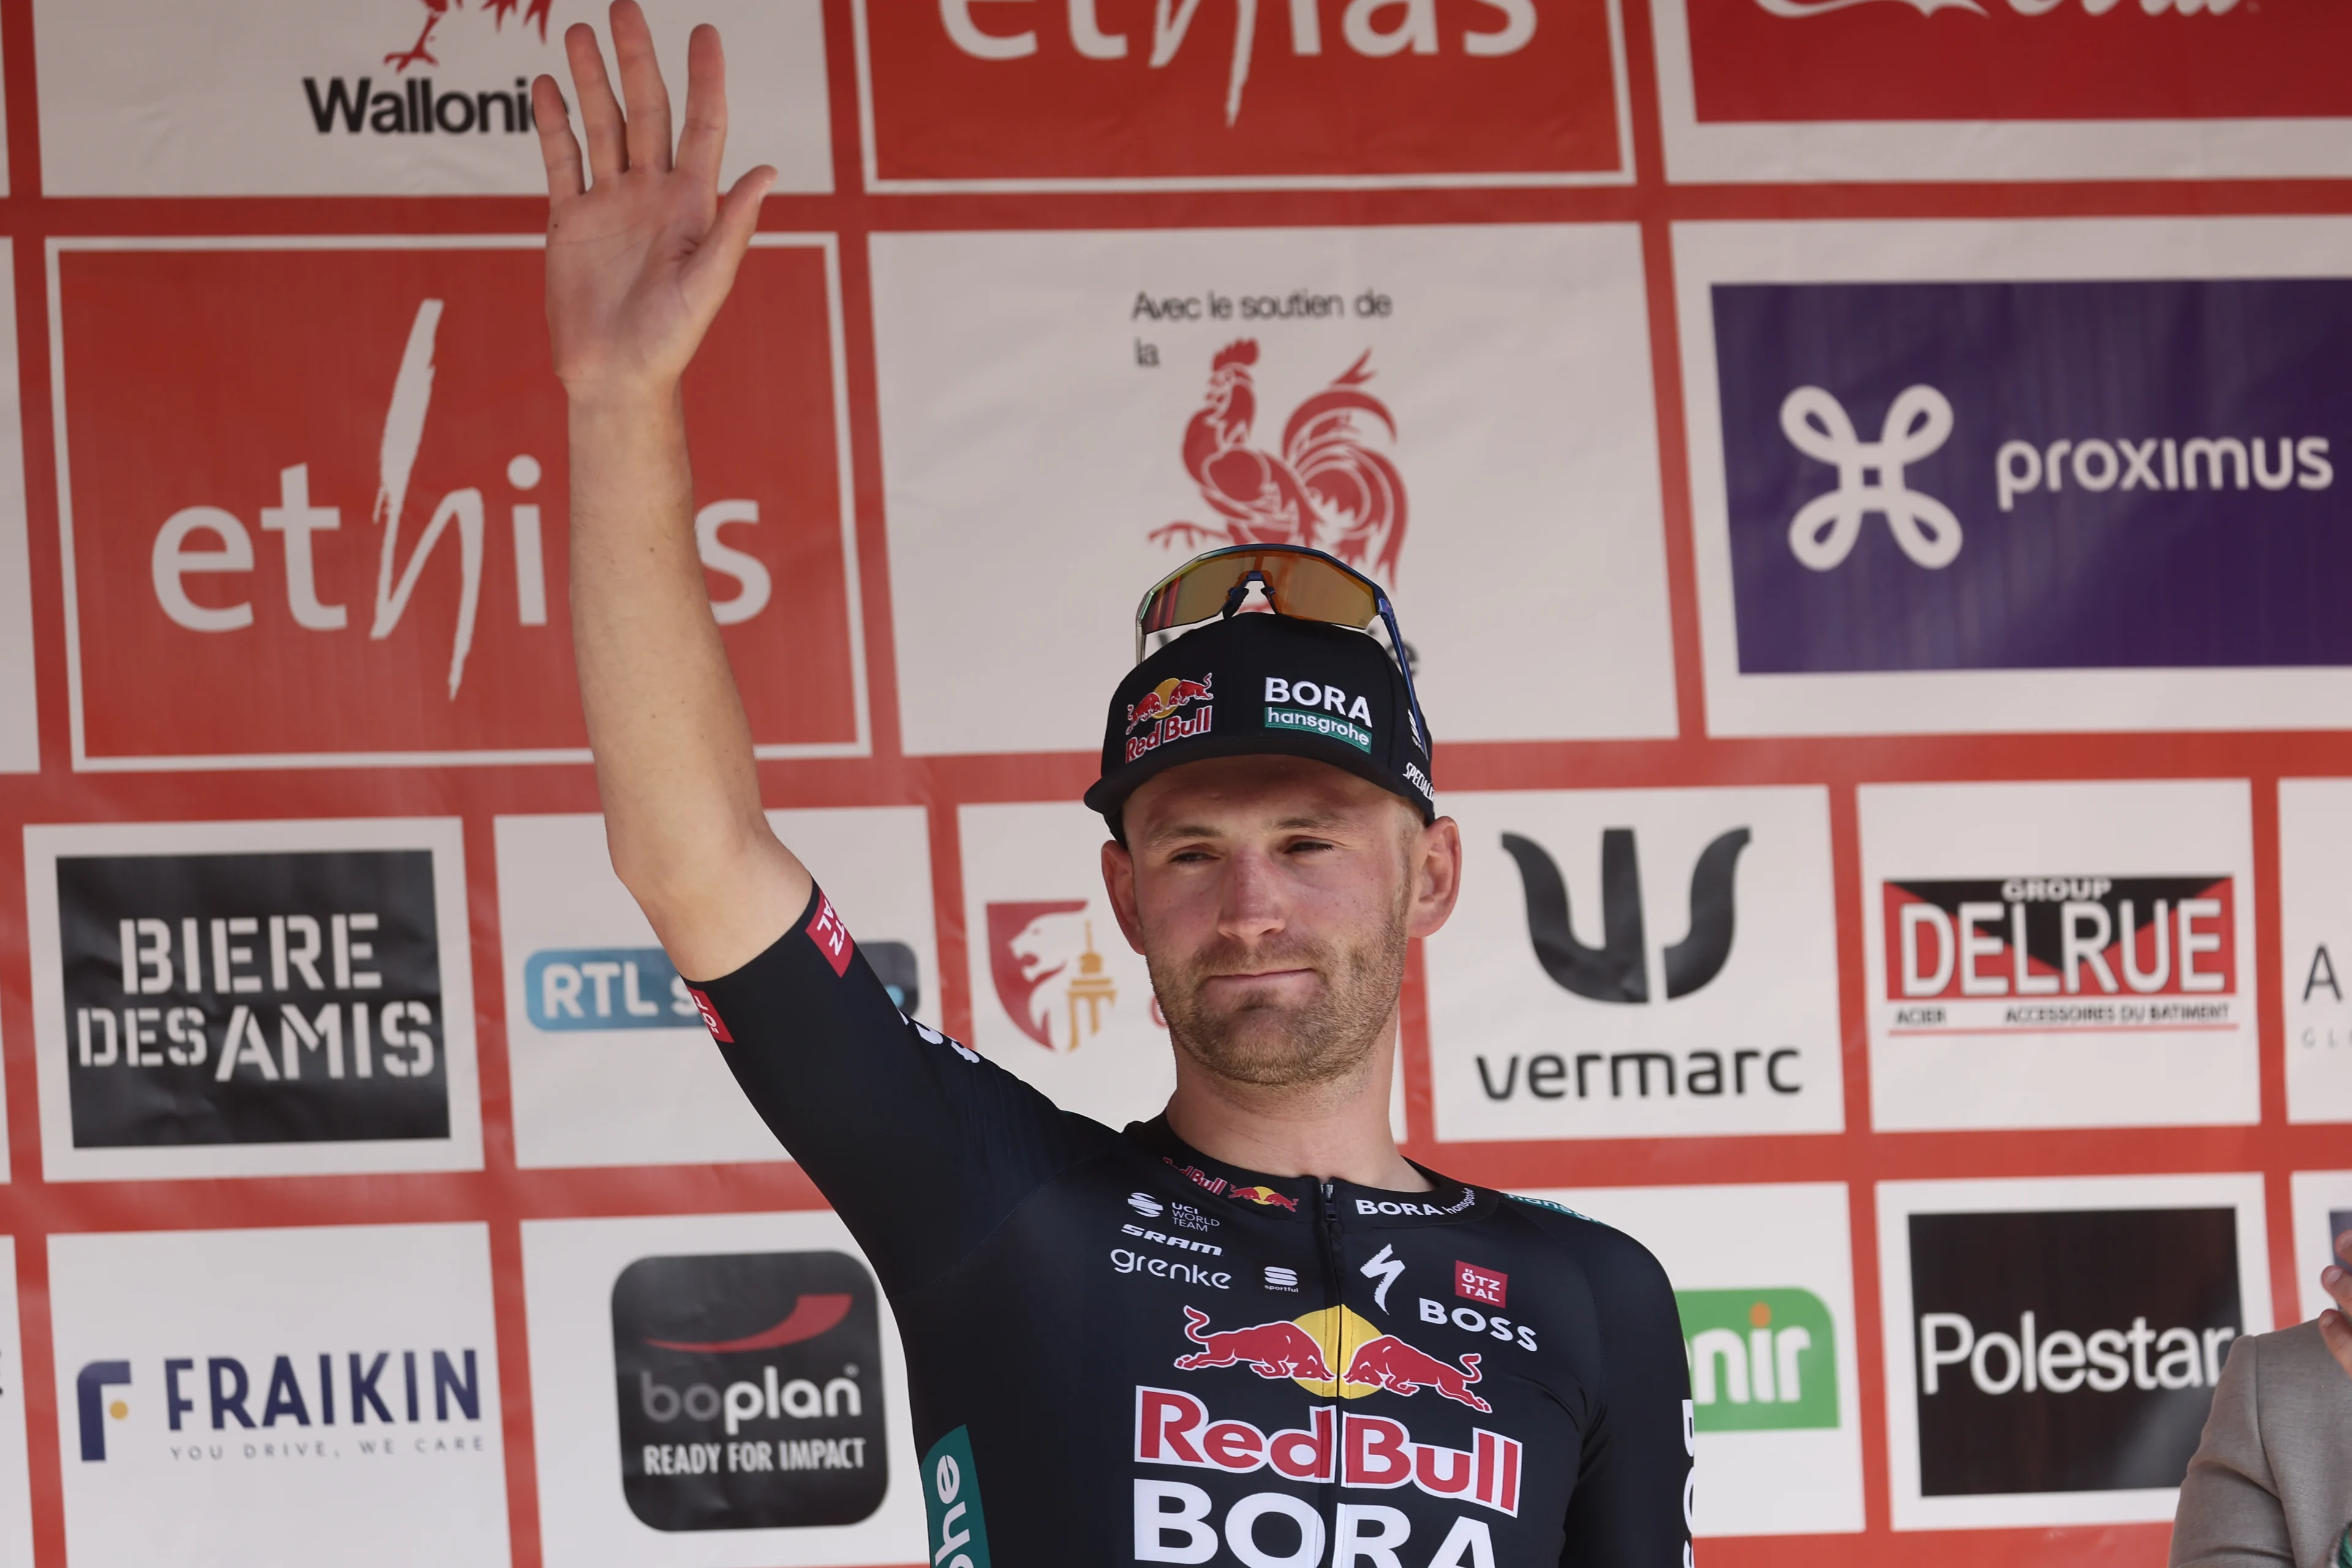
x=641 y=248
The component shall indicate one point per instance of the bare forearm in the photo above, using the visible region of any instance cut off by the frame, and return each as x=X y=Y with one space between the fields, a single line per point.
x=674 y=764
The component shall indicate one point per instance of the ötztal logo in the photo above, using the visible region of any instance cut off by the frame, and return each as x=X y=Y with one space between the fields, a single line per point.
x=1329 y=483
x=2023 y=7
x=1366 y=31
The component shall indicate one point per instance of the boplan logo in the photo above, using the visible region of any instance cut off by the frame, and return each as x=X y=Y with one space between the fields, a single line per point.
x=378 y=535
x=1761 y=1360
x=1221 y=93
x=337 y=1405
x=2022 y=476
x=750 y=1391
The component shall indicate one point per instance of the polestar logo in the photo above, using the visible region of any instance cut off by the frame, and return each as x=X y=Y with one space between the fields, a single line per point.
x=1918 y=424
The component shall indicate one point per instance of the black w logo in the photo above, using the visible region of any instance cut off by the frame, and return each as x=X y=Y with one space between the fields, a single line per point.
x=1613 y=970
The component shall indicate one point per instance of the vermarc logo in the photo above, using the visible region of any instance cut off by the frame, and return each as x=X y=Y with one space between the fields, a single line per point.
x=1615 y=972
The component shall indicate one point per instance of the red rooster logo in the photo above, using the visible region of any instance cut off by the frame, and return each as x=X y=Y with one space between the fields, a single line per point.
x=435 y=10
x=1330 y=489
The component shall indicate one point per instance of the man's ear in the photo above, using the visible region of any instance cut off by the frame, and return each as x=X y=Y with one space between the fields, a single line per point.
x=1118 y=881
x=1436 y=872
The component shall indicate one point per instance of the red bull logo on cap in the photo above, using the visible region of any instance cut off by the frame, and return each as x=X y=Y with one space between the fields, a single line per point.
x=1159 y=714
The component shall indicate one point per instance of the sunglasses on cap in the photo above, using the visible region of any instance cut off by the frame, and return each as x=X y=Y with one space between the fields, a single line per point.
x=1306 y=584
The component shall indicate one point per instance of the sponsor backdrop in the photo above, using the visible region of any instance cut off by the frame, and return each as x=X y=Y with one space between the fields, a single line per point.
x=1863 y=482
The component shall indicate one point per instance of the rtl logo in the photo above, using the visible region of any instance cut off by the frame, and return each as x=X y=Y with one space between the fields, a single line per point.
x=346 y=494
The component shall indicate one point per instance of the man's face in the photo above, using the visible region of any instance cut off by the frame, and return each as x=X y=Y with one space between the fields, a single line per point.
x=1272 y=899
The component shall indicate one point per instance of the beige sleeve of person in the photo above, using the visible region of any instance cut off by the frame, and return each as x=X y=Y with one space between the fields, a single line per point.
x=2230 y=1515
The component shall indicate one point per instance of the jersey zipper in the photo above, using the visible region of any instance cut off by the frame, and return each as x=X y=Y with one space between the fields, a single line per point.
x=1327 y=1237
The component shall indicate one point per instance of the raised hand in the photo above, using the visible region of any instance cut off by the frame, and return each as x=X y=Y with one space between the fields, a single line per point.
x=641 y=249
x=2336 y=1323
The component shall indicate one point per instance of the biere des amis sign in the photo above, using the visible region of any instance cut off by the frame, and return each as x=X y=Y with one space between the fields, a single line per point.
x=212 y=1004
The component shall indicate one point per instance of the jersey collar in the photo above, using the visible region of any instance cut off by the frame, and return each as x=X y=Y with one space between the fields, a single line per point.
x=1296 y=1197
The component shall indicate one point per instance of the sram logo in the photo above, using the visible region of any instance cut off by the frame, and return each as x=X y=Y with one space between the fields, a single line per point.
x=383 y=516
x=1288 y=90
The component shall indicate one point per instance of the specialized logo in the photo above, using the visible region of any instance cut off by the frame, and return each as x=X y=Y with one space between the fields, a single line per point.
x=252 y=998
x=1918 y=422
x=304 y=1405
x=1159 y=714
x=1021 y=937
x=1239 y=92
x=355 y=558
x=750 y=1392
x=1330 y=485
x=2067 y=1350
x=1761 y=1360
x=2106 y=952
x=1616 y=971
x=1306 y=1348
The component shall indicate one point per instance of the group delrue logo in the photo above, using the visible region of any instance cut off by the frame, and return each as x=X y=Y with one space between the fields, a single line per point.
x=750 y=1391
x=596 y=990
x=252 y=998
x=1761 y=1360
x=391 y=101
x=334 y=1405
x=2034 y=953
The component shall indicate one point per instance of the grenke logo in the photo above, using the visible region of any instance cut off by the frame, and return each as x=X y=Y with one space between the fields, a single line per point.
x=304 y=1405
x=2106 y=952
x=1617 y=973
x=1241 y=90
x=2070 y=1350
x=252 y=998
x=378 y=531
x=396 y=103
x=595 y=990
x=2033 y=475
x=750 y=1391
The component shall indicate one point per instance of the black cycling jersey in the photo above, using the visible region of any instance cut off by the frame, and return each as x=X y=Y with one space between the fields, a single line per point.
x=1119 y=1350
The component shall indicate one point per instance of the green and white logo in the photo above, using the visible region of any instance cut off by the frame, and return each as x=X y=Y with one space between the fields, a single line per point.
x=1315 y=723
x=959 y=1531
x=1761 y=1360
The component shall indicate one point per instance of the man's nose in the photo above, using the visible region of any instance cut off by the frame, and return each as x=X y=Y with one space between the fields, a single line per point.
x=1253 y=904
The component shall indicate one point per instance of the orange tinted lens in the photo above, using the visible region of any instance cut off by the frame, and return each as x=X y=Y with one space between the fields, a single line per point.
x=1301 y=586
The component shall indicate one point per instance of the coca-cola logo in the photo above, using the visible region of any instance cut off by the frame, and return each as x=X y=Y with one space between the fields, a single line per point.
x=379 y=533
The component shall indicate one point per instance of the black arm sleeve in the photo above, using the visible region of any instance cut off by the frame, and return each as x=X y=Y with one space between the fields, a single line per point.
x=1631 y=1507
x=920 y=1145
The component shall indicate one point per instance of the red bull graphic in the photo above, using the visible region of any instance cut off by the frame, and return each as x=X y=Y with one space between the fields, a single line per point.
x=1331 y=486
x=1172 y=1427
x=1270 y=1350
x=1305 y=1349
x=1266 y=1197
x=1199 y=1178
x=1160 y=713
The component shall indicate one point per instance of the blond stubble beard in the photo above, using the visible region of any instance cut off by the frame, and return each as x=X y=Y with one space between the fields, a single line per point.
x=1286 y=1048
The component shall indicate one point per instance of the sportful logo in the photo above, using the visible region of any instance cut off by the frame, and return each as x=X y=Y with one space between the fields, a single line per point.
x=1918 y=424
x=1415 y=30
x=1761 y=1360
x=1615 y=972
x=1331 y=486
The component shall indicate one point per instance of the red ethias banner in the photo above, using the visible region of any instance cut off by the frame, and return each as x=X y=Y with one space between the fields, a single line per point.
x=316 y=504
x=1240 y=90
x=2060 y=936
x=1816 y=61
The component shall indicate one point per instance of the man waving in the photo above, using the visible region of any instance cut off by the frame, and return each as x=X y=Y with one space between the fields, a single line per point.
x=1249 y=1330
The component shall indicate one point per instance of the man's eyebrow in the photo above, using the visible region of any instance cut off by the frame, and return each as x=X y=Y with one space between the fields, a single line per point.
x=1300 y=821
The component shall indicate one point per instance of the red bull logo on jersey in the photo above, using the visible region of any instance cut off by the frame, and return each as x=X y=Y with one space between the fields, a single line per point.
x=1266 y=1197
x=1172 y=1427
x=1159 y=714
x=1306 y=1349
